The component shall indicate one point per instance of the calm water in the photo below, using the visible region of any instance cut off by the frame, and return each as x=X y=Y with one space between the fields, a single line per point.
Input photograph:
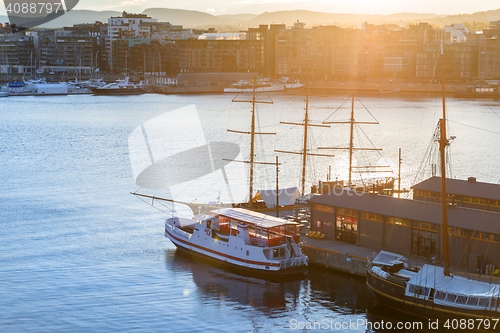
x=80 y=254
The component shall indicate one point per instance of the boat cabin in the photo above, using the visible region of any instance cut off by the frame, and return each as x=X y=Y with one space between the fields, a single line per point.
x=261 y=229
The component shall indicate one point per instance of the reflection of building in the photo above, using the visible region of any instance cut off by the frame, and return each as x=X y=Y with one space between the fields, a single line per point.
x=409 y=227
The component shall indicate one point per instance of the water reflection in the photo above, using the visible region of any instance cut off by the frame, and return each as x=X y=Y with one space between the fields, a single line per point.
x=216 y=284
x=321 y=293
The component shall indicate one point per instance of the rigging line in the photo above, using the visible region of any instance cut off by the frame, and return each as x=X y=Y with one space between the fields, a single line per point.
x=341 y=105
x=494 y=112
x=426 y=158
x=152 y=205
x=475 y=127
x=366 y=109
x=368 y=138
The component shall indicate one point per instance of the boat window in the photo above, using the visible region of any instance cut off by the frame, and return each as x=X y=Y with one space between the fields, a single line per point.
x=278 y=253
x=418 y=290
x=440 y=295
x=462 y=299
x=450 y=298
x=484 y=302
x=472 y=301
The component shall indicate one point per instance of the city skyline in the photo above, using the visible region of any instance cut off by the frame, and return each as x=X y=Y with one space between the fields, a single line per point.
x=446 y=7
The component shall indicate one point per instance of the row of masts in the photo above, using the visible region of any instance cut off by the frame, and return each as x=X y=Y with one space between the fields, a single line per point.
x=306 y=123
x=443 y=144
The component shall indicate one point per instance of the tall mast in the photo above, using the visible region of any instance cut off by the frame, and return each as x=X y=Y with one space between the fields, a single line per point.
x=304 y=149
x=252 y=143
x=306 y=123
x=351 y=141
x=252 y=133
x=443 y=143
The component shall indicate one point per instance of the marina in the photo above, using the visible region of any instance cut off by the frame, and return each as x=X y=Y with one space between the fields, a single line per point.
x=67 y=176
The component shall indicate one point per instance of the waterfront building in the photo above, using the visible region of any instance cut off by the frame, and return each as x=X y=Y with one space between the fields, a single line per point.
x=128 y=26
x=409 y=227
x=464 y=193
x=17 y=54
x=67 y=50
x=213 y=56
x=268 y=34
x=455 y=33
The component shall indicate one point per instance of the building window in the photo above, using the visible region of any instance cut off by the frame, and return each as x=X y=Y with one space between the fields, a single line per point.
x=424 y=243
x=399 y=221
x=322 y=208
x=371 y=217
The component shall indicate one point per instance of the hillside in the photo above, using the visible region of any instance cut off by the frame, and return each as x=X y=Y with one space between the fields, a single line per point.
x=238 y=22
x=187 y=18
x=80 y=16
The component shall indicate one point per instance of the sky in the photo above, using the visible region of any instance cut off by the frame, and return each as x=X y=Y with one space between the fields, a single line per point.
x=221 y=7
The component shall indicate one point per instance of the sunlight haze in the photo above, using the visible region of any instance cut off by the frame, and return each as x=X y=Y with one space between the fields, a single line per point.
x=448 y=7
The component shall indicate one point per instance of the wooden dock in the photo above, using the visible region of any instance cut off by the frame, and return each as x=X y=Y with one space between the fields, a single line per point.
x=339 y=256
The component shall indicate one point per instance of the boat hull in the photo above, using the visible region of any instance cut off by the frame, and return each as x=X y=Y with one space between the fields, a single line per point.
x=393 y=295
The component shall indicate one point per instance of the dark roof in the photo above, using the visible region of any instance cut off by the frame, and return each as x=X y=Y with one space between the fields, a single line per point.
x=460 y=217
x=469 y=187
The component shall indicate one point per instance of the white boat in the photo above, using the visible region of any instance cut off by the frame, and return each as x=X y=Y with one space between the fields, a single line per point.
x=244 y=86
x=120 y=87
x=241 y=239
x=4 y=94
x=35 y=87
x=21 y=88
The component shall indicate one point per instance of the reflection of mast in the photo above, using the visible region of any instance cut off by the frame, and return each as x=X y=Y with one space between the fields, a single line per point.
x=306 y=123
x=351 y=147
x=252 y=137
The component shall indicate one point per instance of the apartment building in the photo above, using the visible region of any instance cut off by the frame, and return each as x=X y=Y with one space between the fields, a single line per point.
x=17 y=54
x=128 y=26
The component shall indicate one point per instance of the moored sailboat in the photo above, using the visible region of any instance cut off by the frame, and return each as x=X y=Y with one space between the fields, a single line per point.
x=432 y=291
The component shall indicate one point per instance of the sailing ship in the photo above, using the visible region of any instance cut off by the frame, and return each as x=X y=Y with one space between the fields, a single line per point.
x=432 y=291
x=238 y=238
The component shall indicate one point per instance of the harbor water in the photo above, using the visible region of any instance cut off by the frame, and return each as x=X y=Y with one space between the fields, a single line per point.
x=80 y=254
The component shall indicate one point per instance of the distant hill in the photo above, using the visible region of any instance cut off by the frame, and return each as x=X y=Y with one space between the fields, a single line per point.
x=240 y=22
x=187 y=18
x=311 y=18
x=237 y=17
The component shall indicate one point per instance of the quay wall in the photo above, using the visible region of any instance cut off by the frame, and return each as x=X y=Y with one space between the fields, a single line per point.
x=334 y=260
